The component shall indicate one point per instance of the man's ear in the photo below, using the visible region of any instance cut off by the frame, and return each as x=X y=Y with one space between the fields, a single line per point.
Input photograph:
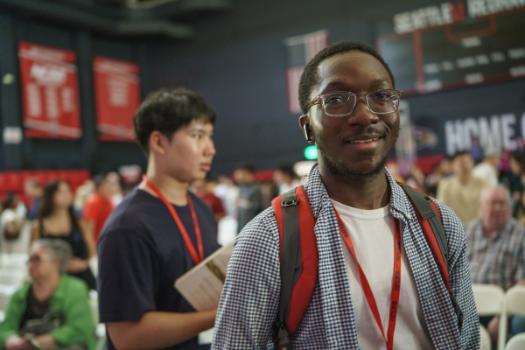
x=157 y=142
x=304 y=123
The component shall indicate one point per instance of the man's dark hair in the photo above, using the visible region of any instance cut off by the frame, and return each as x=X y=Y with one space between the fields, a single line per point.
x=310 y=76
x=287 y=169
x=519 y=157
x=460 y=154
x=99 y=179
x=246 y=167
x=167 y=111
x=10 y=201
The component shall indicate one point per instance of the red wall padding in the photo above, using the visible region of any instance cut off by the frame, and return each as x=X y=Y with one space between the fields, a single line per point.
x=13 y=181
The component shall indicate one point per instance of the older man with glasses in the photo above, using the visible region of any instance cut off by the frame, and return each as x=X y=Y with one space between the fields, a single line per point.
x=52 y=310
x=365 y=228
x=496 y=250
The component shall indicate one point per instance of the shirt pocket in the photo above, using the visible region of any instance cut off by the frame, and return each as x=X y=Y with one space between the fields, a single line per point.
x=508 y=266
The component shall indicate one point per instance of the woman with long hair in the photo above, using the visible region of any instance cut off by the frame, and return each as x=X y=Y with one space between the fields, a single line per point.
x=57 y=220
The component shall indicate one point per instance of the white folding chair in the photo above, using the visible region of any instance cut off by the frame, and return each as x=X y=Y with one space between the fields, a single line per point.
x=484 y=339
x=100 y=327
x=517 y=342
x=490 y=301
x=515 y=301
x=93 y=303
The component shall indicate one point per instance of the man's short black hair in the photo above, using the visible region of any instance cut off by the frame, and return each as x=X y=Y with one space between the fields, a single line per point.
x=99 y=179
x=287 y=169
x=167 y=111
x=248 y=167
x=461 y=154
x=310 y=76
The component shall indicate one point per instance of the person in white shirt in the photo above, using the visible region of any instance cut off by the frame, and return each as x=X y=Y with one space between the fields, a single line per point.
x=488 y=169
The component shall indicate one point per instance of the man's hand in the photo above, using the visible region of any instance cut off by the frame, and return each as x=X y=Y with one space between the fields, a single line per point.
x=15 y=342
x=158 y=329
x=46 y=342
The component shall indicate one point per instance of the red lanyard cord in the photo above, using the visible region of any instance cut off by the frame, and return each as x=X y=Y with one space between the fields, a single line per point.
x=396 y=282
x=196 y=258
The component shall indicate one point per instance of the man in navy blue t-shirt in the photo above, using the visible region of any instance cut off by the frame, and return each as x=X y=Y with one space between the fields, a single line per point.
x=160 y=230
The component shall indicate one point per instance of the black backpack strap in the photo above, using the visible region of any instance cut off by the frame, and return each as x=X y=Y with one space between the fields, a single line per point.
x=290 y=265
x=424 y=208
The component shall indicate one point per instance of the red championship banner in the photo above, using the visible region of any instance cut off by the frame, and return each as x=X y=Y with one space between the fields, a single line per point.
x=117 y=93
x=49 y=92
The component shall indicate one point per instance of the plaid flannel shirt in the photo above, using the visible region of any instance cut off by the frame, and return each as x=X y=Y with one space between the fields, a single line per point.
x=500 y=259
x=250 y=298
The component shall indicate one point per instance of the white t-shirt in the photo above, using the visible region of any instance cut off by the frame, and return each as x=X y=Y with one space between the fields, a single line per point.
x=486 y=172
x=372 y=231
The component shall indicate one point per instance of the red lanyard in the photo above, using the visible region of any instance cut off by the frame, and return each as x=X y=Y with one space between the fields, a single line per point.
x=396 y=282
x=184 y=233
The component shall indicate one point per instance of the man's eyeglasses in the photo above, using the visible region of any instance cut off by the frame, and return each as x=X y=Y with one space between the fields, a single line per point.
x=342 y=103
x=35 y=259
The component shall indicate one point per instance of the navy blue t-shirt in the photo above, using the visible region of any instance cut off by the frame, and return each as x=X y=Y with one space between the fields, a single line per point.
x=141 y=253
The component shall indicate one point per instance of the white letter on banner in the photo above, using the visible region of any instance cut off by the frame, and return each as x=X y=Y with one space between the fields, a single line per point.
x=446 y=12
x=402 y=22
x=454 y=136
x=470 y=130
x=476 y=8
x=490 y=136
x=523 y=126
x=507 y=131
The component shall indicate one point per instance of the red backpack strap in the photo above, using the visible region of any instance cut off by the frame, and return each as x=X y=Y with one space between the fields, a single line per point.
x=438 y=241
x=429 y=216
x=299 y=261
x=437 y=249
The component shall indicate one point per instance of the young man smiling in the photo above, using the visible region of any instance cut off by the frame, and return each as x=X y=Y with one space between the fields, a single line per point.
x=363 y=221
x=160 y=230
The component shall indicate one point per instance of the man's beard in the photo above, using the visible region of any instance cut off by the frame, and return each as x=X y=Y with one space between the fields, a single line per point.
x=344 y=172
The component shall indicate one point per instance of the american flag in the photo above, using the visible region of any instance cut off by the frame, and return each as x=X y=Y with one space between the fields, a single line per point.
x=301 y=49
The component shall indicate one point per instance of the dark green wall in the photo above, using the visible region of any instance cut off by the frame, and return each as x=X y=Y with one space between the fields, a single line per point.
x=87 y=152
x=238 y=61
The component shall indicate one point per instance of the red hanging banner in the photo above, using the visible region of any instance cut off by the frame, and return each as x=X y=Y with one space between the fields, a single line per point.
x=117 y=93
x=49 y=92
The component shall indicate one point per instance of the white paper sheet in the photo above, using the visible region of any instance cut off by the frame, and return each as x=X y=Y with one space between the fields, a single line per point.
x=202 y=285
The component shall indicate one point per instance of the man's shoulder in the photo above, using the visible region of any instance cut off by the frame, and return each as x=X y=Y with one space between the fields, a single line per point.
x=518 y=226
x=448 y=217
x=130 y=214
x=479 y=182
x=472 y=226
x=448 y=181
x=454 y=228
x=451 y=223
x=261 y=230
x=517 y=230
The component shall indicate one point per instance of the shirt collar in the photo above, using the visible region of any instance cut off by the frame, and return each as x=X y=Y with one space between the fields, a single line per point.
x=400 y=206
x=498 y=234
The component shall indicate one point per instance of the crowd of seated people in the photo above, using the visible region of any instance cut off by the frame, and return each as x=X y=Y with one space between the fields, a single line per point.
x=51 y=230
x=56 y=214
